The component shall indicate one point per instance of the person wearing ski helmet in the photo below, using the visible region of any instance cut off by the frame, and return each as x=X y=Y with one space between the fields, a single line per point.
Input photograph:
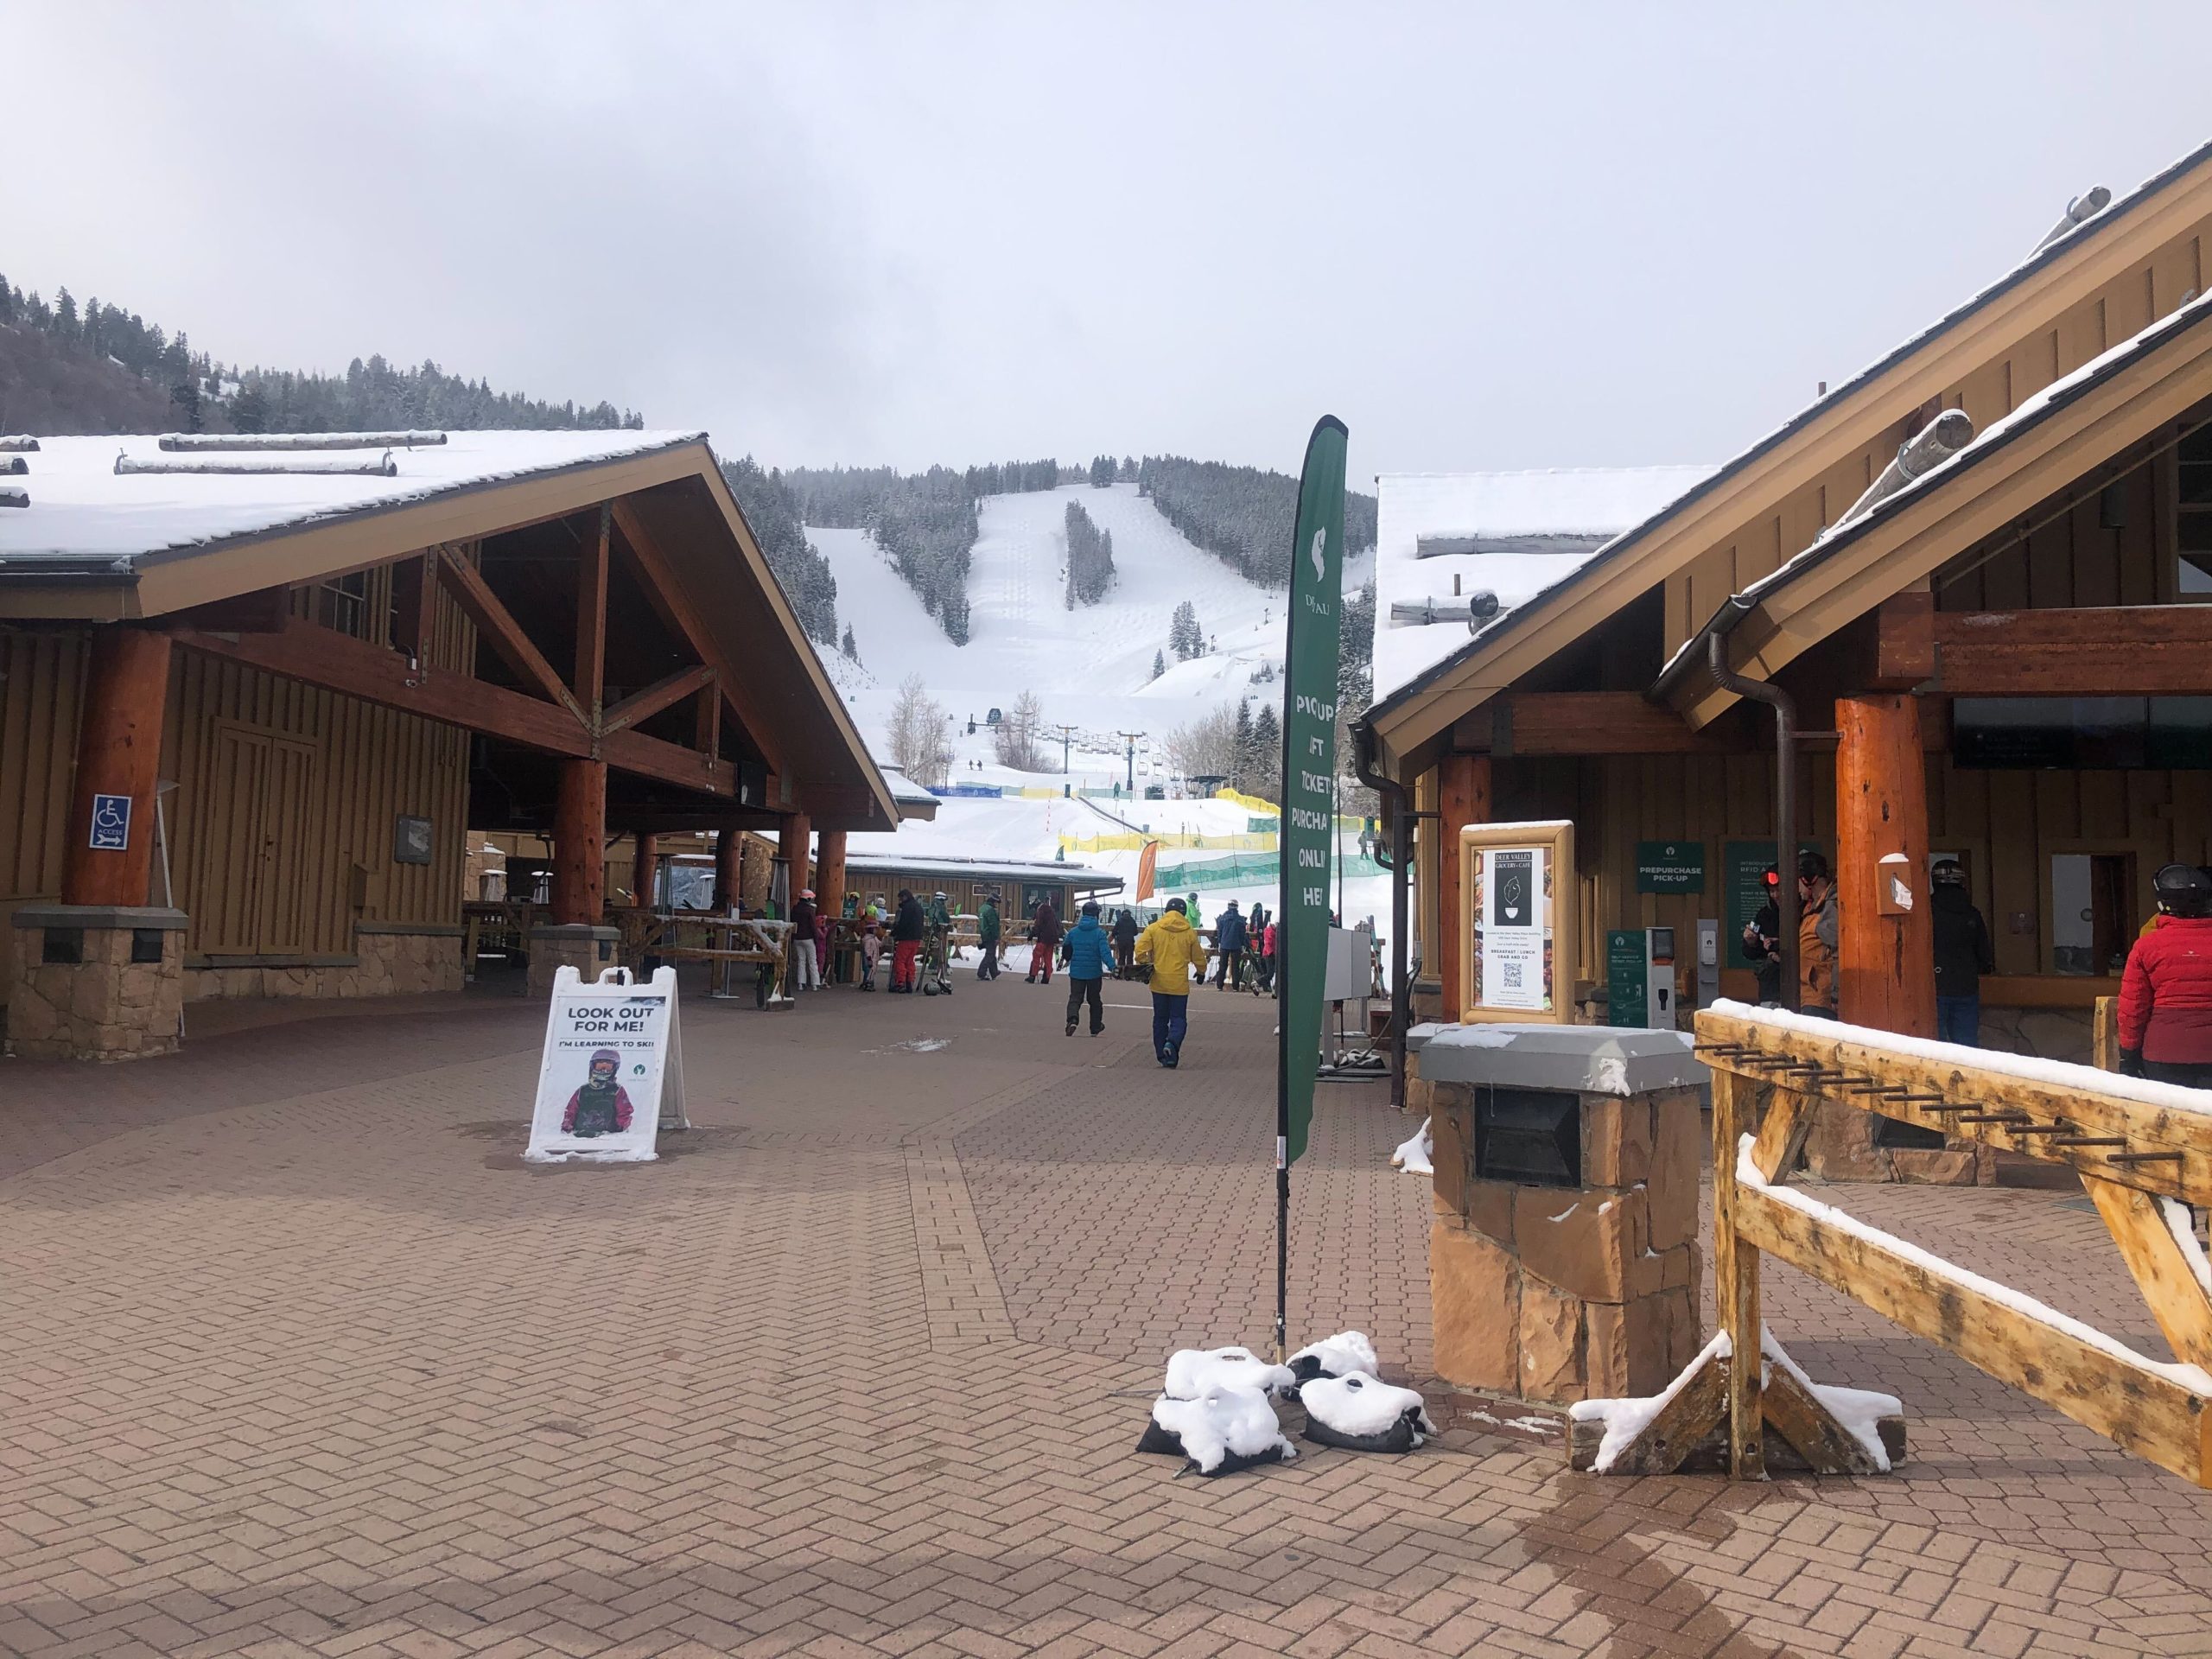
x=601 y=1107
x=1963 y=954
x=2165 y=993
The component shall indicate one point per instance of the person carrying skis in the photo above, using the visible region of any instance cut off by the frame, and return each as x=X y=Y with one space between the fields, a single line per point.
x=986 y=936
x=1173 y=948
x=1043 y=934
x=939 y=956
x=1087 y=954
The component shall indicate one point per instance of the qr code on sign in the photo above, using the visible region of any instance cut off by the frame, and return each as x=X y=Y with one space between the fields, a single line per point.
x=1512 y=975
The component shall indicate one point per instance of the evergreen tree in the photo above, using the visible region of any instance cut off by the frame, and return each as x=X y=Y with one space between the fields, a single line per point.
x=1185 y=636
x=1090 y=558
x=1265 y=774
x=849 y=645
x=1158 y=663
x=1242 y=742
x=772 y=510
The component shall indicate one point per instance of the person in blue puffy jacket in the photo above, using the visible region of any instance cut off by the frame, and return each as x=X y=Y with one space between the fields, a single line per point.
x=1089 y=954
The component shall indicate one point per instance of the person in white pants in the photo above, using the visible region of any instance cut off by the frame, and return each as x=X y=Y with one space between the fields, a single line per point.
x=806 y=970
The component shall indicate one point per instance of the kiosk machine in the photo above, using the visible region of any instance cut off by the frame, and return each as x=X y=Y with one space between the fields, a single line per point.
x=1640 y=977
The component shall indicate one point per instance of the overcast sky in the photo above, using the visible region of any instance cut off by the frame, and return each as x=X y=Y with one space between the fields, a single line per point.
x=1484 y=235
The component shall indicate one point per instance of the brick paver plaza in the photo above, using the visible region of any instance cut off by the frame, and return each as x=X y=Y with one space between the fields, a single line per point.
x=299 y=1357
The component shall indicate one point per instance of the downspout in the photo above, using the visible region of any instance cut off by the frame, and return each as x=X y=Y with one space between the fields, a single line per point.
x=1400 y=864
x=1785 y=791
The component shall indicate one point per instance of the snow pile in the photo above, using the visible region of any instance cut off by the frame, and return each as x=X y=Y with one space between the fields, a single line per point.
x=1413 y=1156
x=1359 y=1413
x=1224 y=1429
x=1859 y=1410
x=1626 y=1419
x=1192 y=1371
x=1342 y=1354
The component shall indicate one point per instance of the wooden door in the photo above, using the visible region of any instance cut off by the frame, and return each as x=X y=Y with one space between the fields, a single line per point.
x=281 y=924
x=248 y=895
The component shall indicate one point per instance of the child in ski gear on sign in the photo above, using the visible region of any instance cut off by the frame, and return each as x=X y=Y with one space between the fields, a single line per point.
x=600 y=1107
x=1088 y=948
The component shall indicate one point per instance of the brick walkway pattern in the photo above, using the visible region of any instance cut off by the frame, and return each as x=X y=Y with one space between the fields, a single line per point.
x=302 y=1359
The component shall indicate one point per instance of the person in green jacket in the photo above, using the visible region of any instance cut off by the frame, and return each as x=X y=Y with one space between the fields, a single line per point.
x=987 y=935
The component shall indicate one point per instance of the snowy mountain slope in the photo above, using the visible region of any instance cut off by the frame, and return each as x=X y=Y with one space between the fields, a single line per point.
x=1092 y=667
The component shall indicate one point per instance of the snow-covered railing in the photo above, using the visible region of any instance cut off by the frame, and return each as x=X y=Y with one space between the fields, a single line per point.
x=2142 y=1150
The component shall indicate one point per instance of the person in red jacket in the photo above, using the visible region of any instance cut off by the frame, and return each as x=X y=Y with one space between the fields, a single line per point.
x=2165 y=994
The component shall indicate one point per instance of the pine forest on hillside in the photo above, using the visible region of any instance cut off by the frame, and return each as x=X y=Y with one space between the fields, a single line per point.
x=1242 y=514
x=98 y=368
x=1090 y=558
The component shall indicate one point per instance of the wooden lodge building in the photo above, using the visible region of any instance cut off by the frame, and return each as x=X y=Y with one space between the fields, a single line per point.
x=2007 y=659
x=256 y=695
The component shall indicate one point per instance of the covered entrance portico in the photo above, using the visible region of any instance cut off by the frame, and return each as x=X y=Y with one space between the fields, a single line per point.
x=253 y=756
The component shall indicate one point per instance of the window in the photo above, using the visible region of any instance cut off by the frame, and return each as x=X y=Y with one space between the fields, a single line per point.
x=2092 y=922
x=342 y=603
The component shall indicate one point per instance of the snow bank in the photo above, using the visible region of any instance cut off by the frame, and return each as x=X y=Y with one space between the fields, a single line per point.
x=1626 y=1419
x=2051 y=1074
x=1226 y=1421
x=1192 y=1371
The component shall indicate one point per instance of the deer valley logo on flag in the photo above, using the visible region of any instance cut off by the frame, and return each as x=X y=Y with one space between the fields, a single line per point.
x=1320 y=565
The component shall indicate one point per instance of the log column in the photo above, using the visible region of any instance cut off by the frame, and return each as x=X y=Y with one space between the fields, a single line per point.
x=573 y=936
x=644 y=871
x=729 y=850
x=1463 y=797
x=100 y=975
x=794 y=845
x=118 y=753
x=1887 y=973
x=830 y=878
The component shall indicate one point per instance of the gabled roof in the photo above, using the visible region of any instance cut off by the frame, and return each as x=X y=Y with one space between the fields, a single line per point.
x=83 y=515
x=1489 y=513
x=1853 y=403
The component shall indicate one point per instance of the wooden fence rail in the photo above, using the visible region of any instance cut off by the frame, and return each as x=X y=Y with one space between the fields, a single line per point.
x=2142 y=1153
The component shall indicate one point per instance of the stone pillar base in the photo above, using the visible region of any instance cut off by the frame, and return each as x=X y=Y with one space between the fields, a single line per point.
x=1844 y=1144
x=97 y=981
x=588 y=950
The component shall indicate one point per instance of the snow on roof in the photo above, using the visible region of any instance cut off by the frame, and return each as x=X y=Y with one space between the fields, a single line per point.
x=1563 y=501
x=83 y=513
x=904 y=788
x=1080 y=876
x=1992 y=437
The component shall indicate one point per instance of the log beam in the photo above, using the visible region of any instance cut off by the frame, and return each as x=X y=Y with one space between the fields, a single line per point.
x=645 y=868
x=412 y=593
x=1736 y=1278
x=795 y=846
x=645 y=703
x=591 y=616
x=730 y=844
x=118 y=753
x=831 y=877
x=2161 y=1271
x=1463 y=797
x=1581 y=722
x=2123 y=650
x=497 y=627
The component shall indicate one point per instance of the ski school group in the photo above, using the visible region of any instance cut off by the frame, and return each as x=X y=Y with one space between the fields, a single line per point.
x=1170 y=953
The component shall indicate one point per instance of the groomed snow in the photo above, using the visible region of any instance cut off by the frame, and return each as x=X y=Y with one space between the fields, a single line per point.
x=82 y=512
x=1560 y=501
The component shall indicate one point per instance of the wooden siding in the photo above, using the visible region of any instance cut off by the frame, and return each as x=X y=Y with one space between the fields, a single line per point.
x=41 y=685
x=2122 y=307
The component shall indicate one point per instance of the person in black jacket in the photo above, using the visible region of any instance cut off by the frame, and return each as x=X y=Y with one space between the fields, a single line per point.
x=1963 y=955
x=1762 y=942
x=1229 y=948
x=906 y=929
x=1125 y=945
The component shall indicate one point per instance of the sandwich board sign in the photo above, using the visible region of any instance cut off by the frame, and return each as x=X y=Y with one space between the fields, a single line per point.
x=612 y=1074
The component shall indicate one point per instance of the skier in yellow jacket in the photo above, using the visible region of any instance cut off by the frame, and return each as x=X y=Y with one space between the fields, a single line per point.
x=1174 y=950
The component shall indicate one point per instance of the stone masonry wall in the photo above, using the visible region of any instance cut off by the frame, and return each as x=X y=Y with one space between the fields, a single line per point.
x=104 y=1008
x=386 y=964
x=1554 y=1294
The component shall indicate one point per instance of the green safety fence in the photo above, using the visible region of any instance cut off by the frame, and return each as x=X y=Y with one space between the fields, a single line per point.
x=1243 y=870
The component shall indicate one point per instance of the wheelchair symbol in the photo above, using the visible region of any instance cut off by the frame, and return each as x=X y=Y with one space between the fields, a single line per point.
x=110 y=822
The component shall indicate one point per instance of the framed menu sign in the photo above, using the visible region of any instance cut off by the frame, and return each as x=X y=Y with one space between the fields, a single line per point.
x=1516 y=922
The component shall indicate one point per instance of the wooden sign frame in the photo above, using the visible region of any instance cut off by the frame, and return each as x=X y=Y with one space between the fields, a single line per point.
x=1551 y=843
